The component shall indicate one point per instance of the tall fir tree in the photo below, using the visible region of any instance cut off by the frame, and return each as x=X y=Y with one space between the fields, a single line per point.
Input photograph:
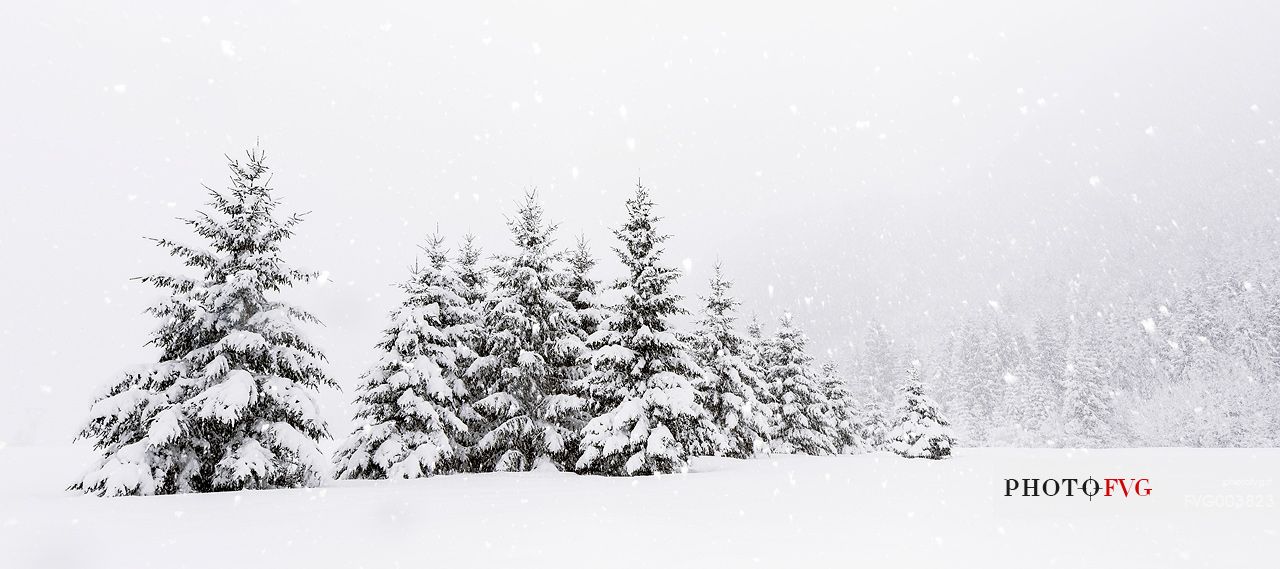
x=230 y=403
x=972 y=378
x=531 y=409
x=1023 y=413
x=919 y=431
x=803 y=422
x=876 y=364
x=849 y=435
x=649 y=418
x=1084 y=409
x=1048 y=360
x=731 y=386
x=412 y=409
x=473 y=276
x=1086 y=403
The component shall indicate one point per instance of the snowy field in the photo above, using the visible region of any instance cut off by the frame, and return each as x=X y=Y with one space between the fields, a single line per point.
x=1207 y=508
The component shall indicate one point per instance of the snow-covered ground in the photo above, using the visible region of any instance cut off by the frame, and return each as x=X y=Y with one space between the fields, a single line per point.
x=1207 y=508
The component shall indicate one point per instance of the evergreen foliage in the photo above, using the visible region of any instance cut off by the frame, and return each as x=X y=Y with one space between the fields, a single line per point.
x=230 y=403
x=731 y=386
x=803 y=422
x=649 y=419
x=919 y=431
x=849 y=436
x=582 y=290
x=532 y=412
x=411 y=407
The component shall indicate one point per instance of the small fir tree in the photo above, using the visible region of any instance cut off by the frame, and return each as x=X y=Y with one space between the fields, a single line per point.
x=411 y=405
x=873 y=426
x=473 y=276
x=919 y=431
x=755 y=335
x=848 y=436
x=582 y=291
x=729 y=386
x=802 y=413
x=754 y=348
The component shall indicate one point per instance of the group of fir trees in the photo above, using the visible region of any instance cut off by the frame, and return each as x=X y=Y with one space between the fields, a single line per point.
x=509 y=363
x=819 y=414
x=516 y=362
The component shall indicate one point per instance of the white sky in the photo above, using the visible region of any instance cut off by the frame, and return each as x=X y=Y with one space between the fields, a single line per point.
x=889 y=161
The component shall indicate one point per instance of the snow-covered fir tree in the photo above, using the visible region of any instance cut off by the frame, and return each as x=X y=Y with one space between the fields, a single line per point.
x=755 y=332
x=877 y=381
x=1086 y=406
x=230 y=403
x=473 y=276
x=531 y=409
x=730 y=387
x=975 y=376
x=849 y=435
x=1045 y=374
x=649 y=419
x=754 y=347
x=1021 y=415
x=918 y=430
x=582 y=290
x=874 y=425
x=471 y=273
x=1084 y=409
x=802 y=420
x=412 y=409
x=754 y=357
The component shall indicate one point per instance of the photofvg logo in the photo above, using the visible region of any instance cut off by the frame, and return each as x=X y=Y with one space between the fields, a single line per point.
x=1235 y=493
x=1082 y=487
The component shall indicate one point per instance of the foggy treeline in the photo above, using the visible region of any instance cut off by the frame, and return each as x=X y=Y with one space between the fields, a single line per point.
x=1197 y=367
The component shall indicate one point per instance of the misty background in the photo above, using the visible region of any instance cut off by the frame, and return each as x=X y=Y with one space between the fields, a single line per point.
x=905 y=162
